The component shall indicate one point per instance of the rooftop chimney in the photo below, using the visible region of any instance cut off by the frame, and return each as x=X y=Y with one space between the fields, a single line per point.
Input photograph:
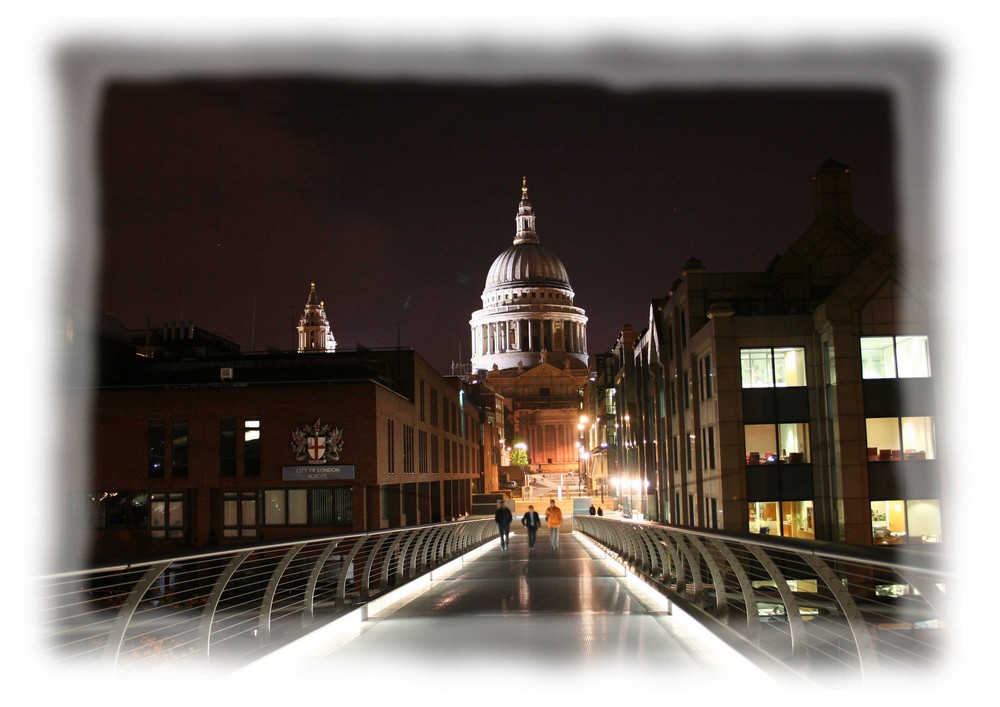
x=833 y=188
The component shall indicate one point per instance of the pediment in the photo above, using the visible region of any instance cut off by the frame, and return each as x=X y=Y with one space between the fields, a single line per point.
x=545 y=370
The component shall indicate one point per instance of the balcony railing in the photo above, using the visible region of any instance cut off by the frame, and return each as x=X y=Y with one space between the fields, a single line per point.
x=828 y=614
x=230 y=607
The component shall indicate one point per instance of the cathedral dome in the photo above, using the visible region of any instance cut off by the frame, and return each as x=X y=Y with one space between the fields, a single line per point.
x=527 y=264
x=528 y=316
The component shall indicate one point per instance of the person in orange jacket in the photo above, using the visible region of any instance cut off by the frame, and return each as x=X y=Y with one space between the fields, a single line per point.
x=553 y=516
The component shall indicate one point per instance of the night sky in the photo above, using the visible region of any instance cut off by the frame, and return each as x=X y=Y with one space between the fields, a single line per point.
x=222 y=198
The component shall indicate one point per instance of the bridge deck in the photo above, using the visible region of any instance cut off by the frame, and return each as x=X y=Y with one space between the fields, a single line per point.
x=549 y=618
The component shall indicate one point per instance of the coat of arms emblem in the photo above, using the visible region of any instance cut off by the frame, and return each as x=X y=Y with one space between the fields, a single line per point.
x=317 y=443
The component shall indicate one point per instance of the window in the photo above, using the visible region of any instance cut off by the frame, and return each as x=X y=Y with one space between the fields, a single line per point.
x=906 y=522
x=422 y=451
x=120 y=509
x=708 y=447
x=390 y=432
x=251 y=447
x=239 y=514
x=423 y=403
x=779 y=367
x=687 y=391
x=155 y=446
x=179 y=451
x=166 y=515
x=286 y=507
x=790 y=519
x=705 y=376
x=331 y=506
x=407 y=449
x=322 y=507
x=227 y=447
x=783 y=442
x=899 y=438
x=712 y=513
x=895 y=357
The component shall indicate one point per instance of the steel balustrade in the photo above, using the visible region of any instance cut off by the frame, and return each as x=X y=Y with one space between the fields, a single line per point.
x=819 y=612
x=229 y=607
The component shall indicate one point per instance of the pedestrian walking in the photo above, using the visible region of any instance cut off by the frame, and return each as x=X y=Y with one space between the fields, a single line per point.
x=503 y=517
x=553 y=517
x=593 y=511
x=532 y=522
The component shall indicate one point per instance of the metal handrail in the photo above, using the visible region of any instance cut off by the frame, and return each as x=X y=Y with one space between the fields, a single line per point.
x=818 y=612
x=228 y=607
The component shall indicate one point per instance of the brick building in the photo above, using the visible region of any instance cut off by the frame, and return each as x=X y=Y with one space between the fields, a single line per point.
x=192 y=451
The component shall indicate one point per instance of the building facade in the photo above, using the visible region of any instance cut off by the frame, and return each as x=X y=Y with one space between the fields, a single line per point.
x=199 y=452
x=796 y=402
x=529 y=344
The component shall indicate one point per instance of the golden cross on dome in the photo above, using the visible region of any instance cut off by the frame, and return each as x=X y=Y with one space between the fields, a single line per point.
x=524 y=187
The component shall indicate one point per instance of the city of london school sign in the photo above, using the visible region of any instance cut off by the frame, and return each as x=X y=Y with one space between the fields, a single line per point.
x=319 y=446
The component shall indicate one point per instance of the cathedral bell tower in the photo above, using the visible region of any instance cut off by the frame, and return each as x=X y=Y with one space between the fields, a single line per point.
x=314 y=329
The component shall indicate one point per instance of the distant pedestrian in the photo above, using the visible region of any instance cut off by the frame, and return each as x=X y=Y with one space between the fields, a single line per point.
x=593 y=511
x=553 y=517
x=503 y=517
x=532 y=522
x=600 y=511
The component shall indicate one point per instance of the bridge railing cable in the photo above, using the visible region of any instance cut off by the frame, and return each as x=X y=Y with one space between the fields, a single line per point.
x=826 y=613
x=228 y=607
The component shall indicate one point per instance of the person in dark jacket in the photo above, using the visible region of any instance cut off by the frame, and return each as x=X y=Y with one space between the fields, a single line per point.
x=503 y=518
x=532 y=522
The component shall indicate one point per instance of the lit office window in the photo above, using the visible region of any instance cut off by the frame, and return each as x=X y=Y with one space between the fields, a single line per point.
x=778 y=367
x=786 y=442
x=899 y=438
x=790 y=519
x=897 y=522
x=895 y=357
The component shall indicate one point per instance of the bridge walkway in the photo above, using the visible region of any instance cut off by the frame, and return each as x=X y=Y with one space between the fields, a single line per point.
x=563 y=619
